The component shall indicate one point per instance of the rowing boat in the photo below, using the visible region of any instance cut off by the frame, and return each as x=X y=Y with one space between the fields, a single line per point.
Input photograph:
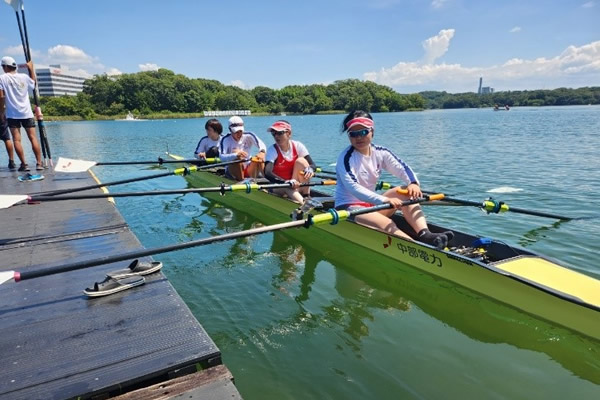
x=517 y=277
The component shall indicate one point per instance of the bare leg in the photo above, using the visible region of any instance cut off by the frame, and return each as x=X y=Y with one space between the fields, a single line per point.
x=16 y=135
x=299 y=166
x=35 y=146
x=416 y=219
x=9 y=149
x=382 y=223
x=255 y=169
x=413 y=213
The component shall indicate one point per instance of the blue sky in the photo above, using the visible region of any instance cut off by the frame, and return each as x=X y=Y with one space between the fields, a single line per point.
x=410 y=45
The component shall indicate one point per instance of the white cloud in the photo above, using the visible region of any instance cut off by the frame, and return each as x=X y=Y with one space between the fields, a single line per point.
x=438 y=3
x=589 y=4
x=239 y=84
x=574 y=67
x=148 y=67
x=17 y=51
x=515 y=29
x=437 y=46
x=113 y=71
x=79 y=71
x=65 y=54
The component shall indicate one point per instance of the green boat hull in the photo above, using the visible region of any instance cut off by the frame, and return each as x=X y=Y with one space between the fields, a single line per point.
x=470 y=273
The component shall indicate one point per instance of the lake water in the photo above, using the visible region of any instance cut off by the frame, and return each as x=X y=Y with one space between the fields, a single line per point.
x=293 y=323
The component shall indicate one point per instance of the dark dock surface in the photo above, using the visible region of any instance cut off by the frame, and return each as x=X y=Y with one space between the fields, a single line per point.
x=55 y=342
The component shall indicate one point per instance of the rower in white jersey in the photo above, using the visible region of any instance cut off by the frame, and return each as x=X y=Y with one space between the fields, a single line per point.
x=237 y=145
x=358 y=170
x=208 y=146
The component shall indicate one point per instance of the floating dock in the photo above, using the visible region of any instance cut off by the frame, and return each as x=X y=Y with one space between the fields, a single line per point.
x=56 y=343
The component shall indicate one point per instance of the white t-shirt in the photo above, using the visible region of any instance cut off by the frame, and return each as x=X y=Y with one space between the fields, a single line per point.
x=357 y=174
x=16 y=88
x=247 y=141
x=206 y=143
x=272 y=151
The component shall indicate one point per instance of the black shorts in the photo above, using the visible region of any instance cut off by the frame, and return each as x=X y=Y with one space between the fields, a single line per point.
x=4 y=131
x=17 y=123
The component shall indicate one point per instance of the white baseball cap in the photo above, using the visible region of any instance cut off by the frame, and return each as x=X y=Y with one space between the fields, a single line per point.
x=8 y=60
x=236 y=124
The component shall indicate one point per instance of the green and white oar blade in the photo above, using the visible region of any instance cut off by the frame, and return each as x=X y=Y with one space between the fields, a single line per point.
x=8 y=200
x=72 y=165
x=6 y=276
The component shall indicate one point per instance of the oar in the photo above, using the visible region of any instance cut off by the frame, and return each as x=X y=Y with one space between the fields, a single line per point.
x=493 y=206
x=332 y=217
x=74 y=165
x=246 y=187
x=45 y=145
x=178 y=171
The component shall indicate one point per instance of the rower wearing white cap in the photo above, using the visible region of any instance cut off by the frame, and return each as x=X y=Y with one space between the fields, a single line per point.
x=237 y=145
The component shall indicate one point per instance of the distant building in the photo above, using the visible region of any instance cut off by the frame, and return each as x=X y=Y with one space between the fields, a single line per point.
x=226 y=113
x=484 y=89
x=53 y=81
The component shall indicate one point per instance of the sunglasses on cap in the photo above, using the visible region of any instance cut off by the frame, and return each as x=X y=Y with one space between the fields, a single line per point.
x=360 y=133
x=277 y=133
x=234 y=125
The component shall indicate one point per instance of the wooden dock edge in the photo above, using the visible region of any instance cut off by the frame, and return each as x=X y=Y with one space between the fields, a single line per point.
x=214 y=383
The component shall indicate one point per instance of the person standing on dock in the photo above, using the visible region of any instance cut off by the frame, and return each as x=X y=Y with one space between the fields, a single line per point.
x=358 y=169
x=16 y=106
x=237 y=145
x=288 y=161
x=208 y=146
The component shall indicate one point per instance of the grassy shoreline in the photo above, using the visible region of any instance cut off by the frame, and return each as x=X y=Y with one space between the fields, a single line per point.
x=156 y=116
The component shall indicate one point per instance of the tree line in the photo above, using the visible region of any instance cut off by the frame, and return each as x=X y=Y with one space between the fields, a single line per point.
x=163 y=91
x=554 y=97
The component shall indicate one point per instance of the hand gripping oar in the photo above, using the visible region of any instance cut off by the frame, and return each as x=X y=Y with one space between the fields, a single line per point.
x=178 y=171
x=245 y=187
x=332 y=216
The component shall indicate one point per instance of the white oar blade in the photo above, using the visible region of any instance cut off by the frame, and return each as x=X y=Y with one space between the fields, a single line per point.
x=505 y=189
x=71 y=165
x=16 y=4
x=6 y=276
x=9 y=200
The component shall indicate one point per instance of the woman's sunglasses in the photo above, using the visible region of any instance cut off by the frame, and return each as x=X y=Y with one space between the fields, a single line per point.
x=277 y=133
x=361 y=133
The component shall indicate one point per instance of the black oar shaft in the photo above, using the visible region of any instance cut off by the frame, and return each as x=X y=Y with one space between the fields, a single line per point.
x=19 y=276
x=45 y=145
x=511 y=209
x=538 y=213
x=130 y=180
x=196 y=161
x=99 y=185
x=222 y=189
x=156 y=250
